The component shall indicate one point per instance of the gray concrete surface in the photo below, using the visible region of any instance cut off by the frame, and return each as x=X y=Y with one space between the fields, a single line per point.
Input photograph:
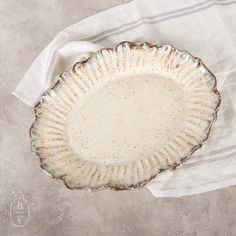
x=27 y=26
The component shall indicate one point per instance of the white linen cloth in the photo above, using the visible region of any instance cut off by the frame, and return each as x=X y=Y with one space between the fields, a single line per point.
x=205 y=28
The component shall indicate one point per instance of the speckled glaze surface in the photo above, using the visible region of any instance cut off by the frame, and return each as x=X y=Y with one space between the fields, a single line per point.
x=123 y=116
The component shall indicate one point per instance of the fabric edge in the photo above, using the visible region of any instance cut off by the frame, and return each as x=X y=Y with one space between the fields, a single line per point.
x=20 y=94
x=169 y=194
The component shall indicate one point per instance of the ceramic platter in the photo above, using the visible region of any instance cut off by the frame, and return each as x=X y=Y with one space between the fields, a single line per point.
x=123 y=116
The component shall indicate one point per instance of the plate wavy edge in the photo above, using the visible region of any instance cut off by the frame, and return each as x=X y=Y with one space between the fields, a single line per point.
x=142 y=184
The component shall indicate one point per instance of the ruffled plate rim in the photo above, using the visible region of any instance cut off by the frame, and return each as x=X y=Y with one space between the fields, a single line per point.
x=144 y=183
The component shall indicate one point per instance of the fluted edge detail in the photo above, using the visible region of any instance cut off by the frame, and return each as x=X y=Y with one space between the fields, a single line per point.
x=166 y=53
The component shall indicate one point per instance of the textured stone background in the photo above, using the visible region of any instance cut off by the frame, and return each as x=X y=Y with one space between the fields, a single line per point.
x=26 y=27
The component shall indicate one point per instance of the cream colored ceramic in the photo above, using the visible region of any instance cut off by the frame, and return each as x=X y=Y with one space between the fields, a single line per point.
x=123 y=116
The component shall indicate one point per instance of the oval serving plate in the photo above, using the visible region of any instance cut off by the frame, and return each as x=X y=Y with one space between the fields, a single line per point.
x=124 y=115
